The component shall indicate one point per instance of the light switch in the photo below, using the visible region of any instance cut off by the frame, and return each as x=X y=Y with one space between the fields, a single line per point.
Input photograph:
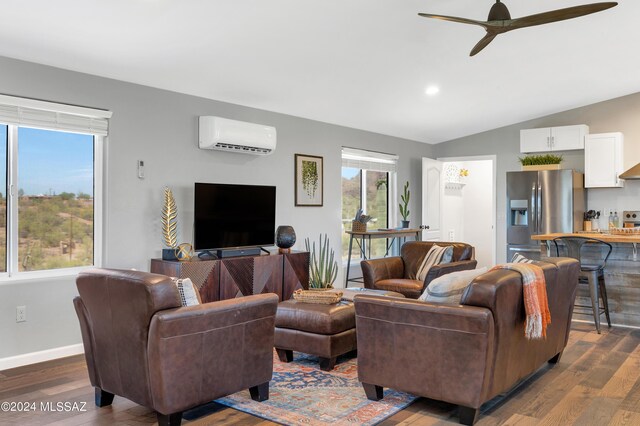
x=140 y=169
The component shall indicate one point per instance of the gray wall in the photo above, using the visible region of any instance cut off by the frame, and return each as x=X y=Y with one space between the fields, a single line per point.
x=616 y=115
x=160 y=127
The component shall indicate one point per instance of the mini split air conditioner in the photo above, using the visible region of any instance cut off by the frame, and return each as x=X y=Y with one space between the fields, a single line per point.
x=236 y=136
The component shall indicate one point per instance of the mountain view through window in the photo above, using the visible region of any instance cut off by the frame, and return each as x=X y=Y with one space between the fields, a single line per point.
x=55 y=199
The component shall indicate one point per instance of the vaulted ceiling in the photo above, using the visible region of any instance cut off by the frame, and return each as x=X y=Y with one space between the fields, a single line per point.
x=362 y=64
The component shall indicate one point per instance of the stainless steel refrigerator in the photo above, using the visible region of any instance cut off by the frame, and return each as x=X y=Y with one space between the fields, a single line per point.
x=542 y=202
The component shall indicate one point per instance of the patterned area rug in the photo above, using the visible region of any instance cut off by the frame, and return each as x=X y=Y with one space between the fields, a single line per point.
x=302 y=394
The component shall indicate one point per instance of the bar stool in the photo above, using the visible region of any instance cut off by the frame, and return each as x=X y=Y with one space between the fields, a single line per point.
x=591 y=271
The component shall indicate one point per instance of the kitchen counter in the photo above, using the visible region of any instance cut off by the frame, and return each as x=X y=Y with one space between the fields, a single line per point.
x=622 y=274
x=609 y=238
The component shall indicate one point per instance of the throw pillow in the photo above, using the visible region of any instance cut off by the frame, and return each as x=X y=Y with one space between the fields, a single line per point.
x=518 y=258
x=449 y=287
x=436 y=255
x=189 y=295
x=447 y=257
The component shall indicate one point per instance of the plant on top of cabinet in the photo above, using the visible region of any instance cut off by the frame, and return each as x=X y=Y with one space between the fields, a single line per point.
x=533 y=160
x=541 y=162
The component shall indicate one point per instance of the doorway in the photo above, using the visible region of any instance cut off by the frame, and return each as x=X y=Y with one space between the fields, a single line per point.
x=466 y=194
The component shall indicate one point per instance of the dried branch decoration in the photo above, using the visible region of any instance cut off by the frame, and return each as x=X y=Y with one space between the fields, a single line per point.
x=169 y=219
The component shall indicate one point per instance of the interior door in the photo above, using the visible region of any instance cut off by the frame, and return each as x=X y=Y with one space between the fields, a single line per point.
x=432 y=191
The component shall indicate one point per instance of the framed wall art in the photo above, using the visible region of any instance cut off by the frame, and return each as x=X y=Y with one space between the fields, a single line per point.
x=308 y=180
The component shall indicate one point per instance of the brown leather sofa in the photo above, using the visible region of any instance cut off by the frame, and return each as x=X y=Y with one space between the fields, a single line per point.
x=398 y=273
x=463 y=354
x=140 y=343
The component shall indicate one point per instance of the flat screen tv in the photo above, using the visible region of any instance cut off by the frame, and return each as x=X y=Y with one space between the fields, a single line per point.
x=232 y=216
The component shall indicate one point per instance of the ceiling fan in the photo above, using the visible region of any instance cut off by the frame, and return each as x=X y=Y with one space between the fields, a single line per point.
x=499 y=20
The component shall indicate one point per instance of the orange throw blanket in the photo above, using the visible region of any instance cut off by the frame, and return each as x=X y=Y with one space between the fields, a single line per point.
x=536 y=305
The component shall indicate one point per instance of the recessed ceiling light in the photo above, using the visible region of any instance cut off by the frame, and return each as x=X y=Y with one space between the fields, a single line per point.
x=432 y=90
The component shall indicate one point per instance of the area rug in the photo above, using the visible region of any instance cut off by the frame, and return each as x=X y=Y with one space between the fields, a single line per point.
x=302 y=394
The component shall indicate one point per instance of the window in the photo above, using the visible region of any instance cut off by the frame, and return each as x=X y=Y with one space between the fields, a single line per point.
x=50 y=192
x=368 y=183
x=3 y=197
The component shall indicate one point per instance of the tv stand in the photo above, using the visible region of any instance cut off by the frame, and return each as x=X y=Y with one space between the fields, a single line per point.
x=227 y=278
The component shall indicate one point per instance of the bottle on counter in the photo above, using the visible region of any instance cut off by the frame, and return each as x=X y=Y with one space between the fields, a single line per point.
x=616 y=220
x=610 y=223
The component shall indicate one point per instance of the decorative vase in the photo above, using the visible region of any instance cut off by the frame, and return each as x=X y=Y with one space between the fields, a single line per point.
x=405 y=223
x=169 y=254
x=285 y=238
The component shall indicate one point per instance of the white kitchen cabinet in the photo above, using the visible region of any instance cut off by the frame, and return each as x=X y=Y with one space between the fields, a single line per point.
x=547 y=139
x=603 y=160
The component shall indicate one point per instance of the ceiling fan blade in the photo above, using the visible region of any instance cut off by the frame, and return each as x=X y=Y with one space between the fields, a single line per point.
x=454 y=19
x=484 y=41
x=558 y=15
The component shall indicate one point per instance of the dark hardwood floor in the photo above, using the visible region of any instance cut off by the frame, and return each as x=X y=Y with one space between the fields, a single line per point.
x=597 y=382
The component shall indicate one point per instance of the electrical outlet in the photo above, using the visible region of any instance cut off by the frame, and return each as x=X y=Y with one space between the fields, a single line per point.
x=451 y=235
x=21 y=313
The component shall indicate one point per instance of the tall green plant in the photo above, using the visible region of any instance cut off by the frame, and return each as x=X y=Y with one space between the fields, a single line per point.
x=323 y=269
x=404 y=205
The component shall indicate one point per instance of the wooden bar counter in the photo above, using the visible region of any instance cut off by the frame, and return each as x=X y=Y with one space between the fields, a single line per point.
x=609 y=238
x=622 y=274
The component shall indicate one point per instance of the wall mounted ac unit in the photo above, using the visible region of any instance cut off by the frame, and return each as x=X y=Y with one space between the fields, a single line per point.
x=236 y=136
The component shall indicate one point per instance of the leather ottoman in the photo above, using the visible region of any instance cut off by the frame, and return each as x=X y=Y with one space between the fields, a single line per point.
x=326 y=331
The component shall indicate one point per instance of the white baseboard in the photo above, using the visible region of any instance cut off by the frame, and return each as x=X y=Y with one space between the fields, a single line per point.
x=40 y=356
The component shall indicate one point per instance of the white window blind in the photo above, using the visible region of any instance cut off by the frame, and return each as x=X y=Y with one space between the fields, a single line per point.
x=369 y=160
x=52 y=116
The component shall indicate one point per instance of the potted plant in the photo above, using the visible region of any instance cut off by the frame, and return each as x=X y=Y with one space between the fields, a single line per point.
x=404 y=205
x=541 y=162
x=323 y=269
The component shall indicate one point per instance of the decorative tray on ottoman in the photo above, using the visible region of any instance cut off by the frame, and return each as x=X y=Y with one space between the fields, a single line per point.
x=327 y=297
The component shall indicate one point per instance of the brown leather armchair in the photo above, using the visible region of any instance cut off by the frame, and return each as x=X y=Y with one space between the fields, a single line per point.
x=140 y=343
x=398 y=273
x=463 y=354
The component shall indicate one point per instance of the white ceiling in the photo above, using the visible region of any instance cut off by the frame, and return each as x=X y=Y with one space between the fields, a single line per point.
x=358 y=63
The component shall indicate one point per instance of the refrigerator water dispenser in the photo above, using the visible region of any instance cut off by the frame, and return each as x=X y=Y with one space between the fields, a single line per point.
x=519 y=213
